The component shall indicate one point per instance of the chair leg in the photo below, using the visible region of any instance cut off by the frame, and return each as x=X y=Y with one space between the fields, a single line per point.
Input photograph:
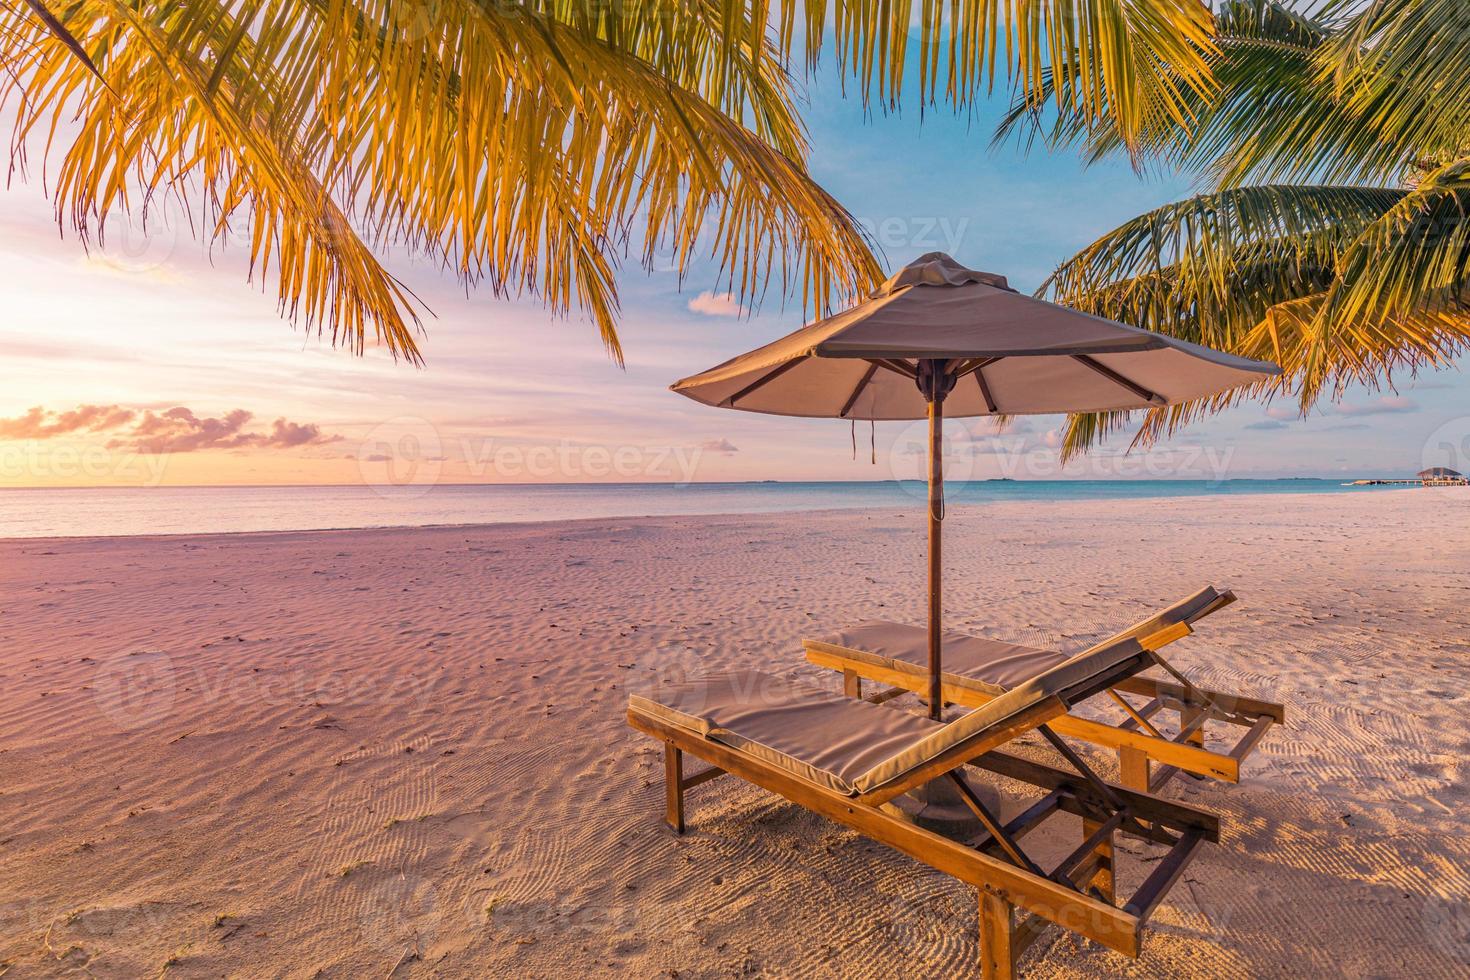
x=1133 y=768
x=1102 y=878
x=852 y=684
x=674 y=787
x=997 y=937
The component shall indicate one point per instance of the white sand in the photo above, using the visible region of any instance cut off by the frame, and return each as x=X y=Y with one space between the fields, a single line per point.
x=377 y=749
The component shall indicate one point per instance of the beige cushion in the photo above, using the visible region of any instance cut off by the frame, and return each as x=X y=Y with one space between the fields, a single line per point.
x=983 y=664
x=818 y=735
x=846 y=745
x=992 y=666
x=1061 y=680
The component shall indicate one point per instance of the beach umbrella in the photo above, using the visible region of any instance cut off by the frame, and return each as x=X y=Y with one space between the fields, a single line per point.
x=937 y=338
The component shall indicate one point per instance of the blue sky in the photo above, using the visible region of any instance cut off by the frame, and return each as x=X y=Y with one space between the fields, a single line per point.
x=153 y=325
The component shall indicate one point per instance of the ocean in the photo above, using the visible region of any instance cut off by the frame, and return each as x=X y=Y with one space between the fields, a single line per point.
x=31 y=513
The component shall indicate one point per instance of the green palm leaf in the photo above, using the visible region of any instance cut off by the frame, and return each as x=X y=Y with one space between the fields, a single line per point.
x=1247 y=270
x=1339 y=284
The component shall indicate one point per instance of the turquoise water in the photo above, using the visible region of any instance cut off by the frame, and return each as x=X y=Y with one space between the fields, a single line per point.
x=192 y=510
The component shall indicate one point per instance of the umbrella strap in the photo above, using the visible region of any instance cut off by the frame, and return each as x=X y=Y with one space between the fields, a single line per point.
x=938 y=507
x=872 y=440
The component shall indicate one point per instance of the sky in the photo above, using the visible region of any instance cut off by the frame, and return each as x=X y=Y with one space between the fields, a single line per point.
x=154 y=362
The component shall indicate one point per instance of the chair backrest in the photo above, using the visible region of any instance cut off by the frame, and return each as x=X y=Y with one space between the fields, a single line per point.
x=1102 y=664
x=1188 y=610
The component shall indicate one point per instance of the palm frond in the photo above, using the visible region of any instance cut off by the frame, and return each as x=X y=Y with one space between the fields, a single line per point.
x=529 y=144
x=1401 y=296
x=1213 y=270
x=1296 y=102
x=1403 y=64
x=1338 y=284
x=327 y=129
x=1206 y=269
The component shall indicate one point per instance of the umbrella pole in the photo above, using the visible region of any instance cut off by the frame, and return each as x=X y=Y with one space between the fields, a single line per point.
x=936 y=503
x=935 y=382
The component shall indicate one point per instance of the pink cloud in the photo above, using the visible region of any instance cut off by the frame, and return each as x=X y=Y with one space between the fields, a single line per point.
x=177 y=430
x=38 y=423
x=723 y=446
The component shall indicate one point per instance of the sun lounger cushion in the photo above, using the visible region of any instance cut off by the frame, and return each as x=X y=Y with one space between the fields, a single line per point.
x=1068 y=677
x=990 y=666
x=816 y=734
x=846 y=745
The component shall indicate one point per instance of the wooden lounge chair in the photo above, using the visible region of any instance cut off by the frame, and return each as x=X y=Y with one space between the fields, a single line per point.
x=846 y=759
x=977 y=669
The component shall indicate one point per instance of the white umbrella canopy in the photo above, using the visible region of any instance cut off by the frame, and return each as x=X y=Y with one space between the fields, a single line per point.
x=939 y=338
x=1015 y=355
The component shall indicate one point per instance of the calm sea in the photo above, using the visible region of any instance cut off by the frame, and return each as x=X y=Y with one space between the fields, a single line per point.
x=191 y=510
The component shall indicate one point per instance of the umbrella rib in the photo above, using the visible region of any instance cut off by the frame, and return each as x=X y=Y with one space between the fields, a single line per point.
x=1152 y=397
x=852 y=398
x=984 y=388
x=764 y=379
x=897 y=367
x=975 y=364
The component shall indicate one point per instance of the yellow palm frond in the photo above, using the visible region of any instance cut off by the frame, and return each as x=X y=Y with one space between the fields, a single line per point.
x=530 y=145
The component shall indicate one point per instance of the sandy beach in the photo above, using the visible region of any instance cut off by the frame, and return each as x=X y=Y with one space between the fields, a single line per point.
x=404 y=752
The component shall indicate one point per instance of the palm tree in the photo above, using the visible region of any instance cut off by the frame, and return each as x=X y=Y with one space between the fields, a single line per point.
x=1336 y=237
x=529 y=144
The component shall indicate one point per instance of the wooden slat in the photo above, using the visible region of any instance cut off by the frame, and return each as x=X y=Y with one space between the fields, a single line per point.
x=1097 y=835
x=1187 y=757
x=1161 y=778
x=883 y=697
x=914 y=679
x=1248 y=741
x=1140 y=720
x=1036 y=814
x=703 y=776
x=1146 y=712
x=1157 y=884
x=1081 y=914
x=1191 y=731
x=1091 y=871
x=1230 y=703
x=990 y=823
x=1096 y=871
x=962 y=752
x=1026 y=932
x=1133 y=768
x=1171 y=813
